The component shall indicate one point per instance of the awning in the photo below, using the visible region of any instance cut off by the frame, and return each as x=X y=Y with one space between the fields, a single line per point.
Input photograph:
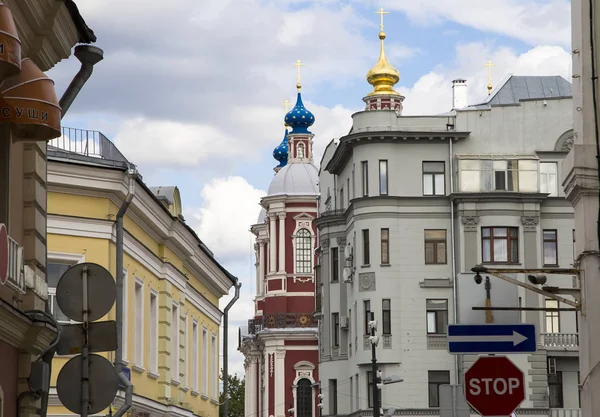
x=10 y=44
x=29 y=102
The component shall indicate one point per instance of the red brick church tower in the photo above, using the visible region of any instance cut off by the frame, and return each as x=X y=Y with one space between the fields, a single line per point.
x=281 y=346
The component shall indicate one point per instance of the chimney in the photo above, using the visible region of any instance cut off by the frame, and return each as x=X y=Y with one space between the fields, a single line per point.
x=459 y=93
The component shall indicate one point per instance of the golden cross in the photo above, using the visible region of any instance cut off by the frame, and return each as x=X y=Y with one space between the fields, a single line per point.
x=286 y=104
x=381 y=13
x=298 y=64
x=489 y=65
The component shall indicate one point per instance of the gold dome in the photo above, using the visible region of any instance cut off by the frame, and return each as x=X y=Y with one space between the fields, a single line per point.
x=383 y=76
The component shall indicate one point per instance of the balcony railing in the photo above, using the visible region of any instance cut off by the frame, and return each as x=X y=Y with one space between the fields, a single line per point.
x=87 y=142
x=281 y=321
x=560 y=340
x=16 y=268
x=565 y=412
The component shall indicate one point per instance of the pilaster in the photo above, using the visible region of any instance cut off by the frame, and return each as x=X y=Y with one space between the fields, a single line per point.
x=261 y=267
x=272 y=243
x=165 y=303
x=280 y=404
x=281 y=247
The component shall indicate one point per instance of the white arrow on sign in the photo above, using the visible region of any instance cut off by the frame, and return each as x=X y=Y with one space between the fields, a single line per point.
x=516 y=338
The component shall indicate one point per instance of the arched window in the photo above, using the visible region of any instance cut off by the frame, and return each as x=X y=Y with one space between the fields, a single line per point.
x=304 y=398
x=300 y=151
x=303 y=252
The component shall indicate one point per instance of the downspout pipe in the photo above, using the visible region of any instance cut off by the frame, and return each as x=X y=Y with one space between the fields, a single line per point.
x=237 y=285
x=132 y=175
x=89 y=56
x=457 y=358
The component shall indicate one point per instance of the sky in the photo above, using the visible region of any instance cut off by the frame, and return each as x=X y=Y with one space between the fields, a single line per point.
x=192 y=91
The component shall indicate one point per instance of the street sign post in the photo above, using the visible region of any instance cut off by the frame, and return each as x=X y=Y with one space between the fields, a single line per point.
x=491 y=338
x=494 y=386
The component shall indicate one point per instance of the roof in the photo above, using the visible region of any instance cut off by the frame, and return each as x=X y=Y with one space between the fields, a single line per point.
x=167 y=193
x=86 y=35
x=517 y=88
x=295 y=179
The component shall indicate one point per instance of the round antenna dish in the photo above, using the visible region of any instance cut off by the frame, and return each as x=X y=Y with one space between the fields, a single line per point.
x=101 y=291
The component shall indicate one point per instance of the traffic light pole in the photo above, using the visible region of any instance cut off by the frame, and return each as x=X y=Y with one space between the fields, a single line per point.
x=374 y=370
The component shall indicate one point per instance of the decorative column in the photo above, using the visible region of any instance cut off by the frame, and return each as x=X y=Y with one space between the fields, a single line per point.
x=248 y=411
x=261 y=267
x=272 y=243
x=281 y=242
x=280 y=387
x=252 y=387
x=257 y=267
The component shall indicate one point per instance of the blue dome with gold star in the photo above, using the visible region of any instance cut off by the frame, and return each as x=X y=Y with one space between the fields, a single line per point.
x=299 y=119
x=280 y=153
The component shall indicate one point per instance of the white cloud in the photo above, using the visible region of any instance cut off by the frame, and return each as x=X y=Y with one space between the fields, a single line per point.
x=432 y=93
x=532 y=21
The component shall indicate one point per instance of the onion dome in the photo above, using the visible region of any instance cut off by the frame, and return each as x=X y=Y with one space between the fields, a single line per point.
x=299 y=119
x=383 y=76
x=280 y=153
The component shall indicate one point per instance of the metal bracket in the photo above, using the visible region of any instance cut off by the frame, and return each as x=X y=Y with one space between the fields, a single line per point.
x=550 y=292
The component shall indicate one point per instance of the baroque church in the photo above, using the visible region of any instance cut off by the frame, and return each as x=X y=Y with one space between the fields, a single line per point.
x=280 y=345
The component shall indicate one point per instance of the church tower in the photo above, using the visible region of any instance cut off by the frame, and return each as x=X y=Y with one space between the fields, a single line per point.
x=281 y=346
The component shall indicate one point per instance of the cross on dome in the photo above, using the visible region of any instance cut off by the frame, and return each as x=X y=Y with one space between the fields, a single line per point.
x=298 y=64
x=383 y=76
x=299 y=118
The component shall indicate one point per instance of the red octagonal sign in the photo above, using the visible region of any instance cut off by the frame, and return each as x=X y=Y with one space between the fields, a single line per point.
x=494 y=386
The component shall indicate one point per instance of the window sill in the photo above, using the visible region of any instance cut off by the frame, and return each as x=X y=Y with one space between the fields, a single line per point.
x=385 y=265
x=436 y=263
x=366 y=266
x=138 y=369
x=175 y=382
x=153 y=375
x=334 y=282
x=502 y=263
x=195 y=393
x=551 y=266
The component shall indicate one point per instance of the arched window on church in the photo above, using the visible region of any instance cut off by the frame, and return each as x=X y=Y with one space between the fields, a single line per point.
x=304 y=252
x=300 y=151
x=304 y=398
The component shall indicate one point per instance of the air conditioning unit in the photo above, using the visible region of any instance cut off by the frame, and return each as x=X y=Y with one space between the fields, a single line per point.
x=551 y=366
x=348 y=273
x=348 y=252
x=344 y=322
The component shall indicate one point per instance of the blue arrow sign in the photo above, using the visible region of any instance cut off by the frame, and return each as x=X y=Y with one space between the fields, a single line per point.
x=491 y=338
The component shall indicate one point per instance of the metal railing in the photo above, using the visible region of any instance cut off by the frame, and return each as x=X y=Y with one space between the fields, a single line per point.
x=87 y=142
x=560 y=340
x=16 y=266
x=281 y=321
x=565 y=412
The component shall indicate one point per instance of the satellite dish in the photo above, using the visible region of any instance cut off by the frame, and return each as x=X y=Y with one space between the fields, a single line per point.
x=101 y=291
x=103 y=383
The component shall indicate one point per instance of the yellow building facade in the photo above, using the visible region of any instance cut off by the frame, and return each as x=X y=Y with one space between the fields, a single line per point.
x=171 y=282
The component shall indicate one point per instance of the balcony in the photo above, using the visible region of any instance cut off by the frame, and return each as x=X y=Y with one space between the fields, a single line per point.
x=281 y=321
x=89 y=143
x=560 y=341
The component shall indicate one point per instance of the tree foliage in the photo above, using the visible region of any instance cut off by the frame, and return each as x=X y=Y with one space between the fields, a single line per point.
x=236 y=397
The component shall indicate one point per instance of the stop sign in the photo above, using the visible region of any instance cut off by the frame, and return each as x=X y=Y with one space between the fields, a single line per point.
x=494 y=386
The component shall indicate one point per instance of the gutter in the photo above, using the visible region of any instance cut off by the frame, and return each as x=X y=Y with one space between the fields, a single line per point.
x=132 y=175
x=89 y=56
x=457 y=358
x=236 y=296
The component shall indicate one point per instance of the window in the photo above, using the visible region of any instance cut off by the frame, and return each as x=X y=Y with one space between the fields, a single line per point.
x=552 y=317
x=215 y=366
x=436 y=378
x=175 y=342
x=437 y=316
x=434 y=181
x=549 y=178
x=304 y=252
x=385 y=246
x=195 y=356
x=383 y=177
x=366 y=250
x=333 y=406
x=555 y=389
x=365 y=178
x=304 y=398
x=500 y=244
x=348 y=192
x=54 y=271
x=184 y=351
x=300 y=152
x=335 y=265
x=153 y=336
x=335 y=329
x=205 y=361
x=487 y=175
x=369 y=389
x=550 y=247
x=435 y=246
x=138 y=357
x=342 y=198
x=367 y=311
x=386 y=316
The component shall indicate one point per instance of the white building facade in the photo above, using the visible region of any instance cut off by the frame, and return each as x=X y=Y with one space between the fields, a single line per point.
x=408 y=205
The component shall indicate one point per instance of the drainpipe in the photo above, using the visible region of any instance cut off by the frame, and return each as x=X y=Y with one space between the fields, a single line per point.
x=131 y=174
x=236 y=296
x=89 y=56
x=457 y=358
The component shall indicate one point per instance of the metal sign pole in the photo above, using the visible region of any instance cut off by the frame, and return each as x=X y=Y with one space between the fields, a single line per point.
x=85 y=368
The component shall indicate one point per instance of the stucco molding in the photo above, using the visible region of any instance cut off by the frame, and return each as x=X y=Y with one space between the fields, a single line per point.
x=21 y=332
x=470 y=223
x=366 y=281
x=530 y=223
